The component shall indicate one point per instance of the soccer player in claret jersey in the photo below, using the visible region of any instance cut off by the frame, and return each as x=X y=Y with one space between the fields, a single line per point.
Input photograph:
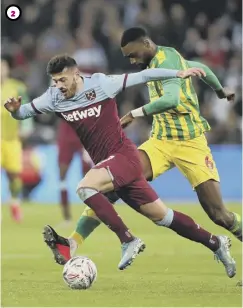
x=89 y=105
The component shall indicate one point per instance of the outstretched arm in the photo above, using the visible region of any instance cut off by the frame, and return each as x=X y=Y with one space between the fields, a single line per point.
x=212 y=80
x=171 y=87
x=114 y=84
x=41 y=104
x=19 y=111
x=169 y=100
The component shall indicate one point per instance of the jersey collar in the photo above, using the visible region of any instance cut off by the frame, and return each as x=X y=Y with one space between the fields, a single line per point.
x=150 y=63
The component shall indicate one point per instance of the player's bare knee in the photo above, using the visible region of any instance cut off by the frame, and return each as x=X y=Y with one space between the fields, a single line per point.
x=155 y=211
x=166 y=220
x=85 y=193
x=97 y=179
x=87 y=184
x=91 y=180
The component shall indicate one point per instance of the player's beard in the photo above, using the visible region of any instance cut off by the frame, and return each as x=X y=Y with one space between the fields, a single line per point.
x=72 y=90
x=143 y=65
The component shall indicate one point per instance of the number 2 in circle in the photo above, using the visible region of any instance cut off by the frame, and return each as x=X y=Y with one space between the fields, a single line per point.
x=13 y=12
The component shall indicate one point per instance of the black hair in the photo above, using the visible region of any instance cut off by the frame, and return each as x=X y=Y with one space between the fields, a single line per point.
x=8 y=59
x=132 y=34
x=58 y=63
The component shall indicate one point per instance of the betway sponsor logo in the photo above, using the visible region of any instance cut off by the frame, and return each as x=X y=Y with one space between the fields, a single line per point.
x=82 y=114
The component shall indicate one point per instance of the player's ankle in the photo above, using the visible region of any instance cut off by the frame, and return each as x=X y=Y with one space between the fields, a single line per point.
x=237 y=223
x=73 y=246
x=77 y=238
x=125 y=237
x=72 y=240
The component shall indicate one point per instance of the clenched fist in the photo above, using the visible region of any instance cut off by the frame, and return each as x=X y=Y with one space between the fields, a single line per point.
x=126 y=120
x=227 y=93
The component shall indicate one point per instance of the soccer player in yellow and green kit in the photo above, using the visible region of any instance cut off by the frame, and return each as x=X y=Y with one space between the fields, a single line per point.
x=11 y=147
x=178 y=131
x=177 y=137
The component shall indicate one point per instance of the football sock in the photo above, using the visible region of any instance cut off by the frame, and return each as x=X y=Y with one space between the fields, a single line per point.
x=186 y=227
x=106 y=213
x=236 y=229
x=87 y=223
x=65 y=200
x=15 y=187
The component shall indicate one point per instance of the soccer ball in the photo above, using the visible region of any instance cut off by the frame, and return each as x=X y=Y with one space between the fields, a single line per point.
x=79 y=273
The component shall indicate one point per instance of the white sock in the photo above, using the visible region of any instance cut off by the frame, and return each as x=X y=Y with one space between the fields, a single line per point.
x=73 y=246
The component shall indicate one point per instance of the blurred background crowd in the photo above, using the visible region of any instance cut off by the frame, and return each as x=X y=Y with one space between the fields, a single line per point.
x=90 y=30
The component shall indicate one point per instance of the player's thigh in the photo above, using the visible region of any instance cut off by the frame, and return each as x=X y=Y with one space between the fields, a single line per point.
x=123 y=168
x=155 y=210
x=142 y=198
x=12 y=151
x=194 y=159
x=110 y=174
x=157 y=159
x=99 y=179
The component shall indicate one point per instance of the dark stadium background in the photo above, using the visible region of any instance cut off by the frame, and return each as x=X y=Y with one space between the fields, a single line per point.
x=208 y=31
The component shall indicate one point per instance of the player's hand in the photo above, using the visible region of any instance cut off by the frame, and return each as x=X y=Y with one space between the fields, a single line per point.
x=13 y=104
x=194 y=71
x=226 y=93
x=126 y=120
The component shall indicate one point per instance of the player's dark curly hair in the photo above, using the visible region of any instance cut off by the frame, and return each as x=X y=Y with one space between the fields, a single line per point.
x=58 y=63
x=132 y=34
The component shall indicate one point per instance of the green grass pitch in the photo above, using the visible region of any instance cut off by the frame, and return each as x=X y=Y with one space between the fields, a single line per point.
x=172 y=272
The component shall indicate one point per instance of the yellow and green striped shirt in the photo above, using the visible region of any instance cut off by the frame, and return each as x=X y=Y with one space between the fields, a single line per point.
x=184 y=121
